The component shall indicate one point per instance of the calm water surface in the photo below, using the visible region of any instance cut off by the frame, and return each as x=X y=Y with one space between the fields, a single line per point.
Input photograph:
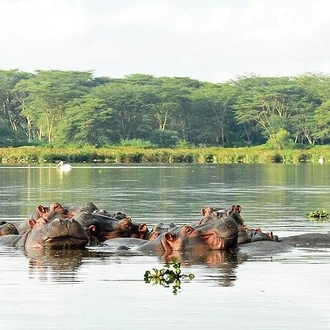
x=99 y=289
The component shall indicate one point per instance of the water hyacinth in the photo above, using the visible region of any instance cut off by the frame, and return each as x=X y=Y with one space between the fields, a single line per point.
x=168 y=276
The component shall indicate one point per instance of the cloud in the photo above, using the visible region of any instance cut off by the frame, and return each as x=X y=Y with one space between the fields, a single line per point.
x=210 y=40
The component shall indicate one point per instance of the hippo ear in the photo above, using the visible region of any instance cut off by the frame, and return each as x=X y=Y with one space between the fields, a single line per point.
x=205 y=211
x=235 y=208
x=31 y=223
x=41 y=209
x=92 y=228
x=55 y=206
x=142 y=229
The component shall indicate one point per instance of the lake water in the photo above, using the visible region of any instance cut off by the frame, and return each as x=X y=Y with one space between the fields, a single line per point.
x=99 y=289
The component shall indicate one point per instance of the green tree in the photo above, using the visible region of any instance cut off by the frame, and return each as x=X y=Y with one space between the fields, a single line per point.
x=10 y=107
x=87 y=121
x=213 y=118
x=318 y=117
x=131 y=108
x=173 y=108
x=275 y=104
x=48 y=92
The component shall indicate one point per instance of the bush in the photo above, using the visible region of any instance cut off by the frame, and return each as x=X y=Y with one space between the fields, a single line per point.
x=164 y=139
x=280 y=140
x=137 y=143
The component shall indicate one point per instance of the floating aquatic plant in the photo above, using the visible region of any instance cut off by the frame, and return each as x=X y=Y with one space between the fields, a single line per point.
x=168 y=276
x=321 y=214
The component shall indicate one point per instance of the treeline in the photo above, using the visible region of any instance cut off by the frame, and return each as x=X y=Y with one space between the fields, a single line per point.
x=59 y=108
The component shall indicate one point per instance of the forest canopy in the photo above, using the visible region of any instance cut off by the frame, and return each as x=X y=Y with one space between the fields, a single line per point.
x=75 y=108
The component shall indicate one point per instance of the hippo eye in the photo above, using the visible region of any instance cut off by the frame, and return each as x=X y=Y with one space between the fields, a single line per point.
x=41 y=221
x=188 y=230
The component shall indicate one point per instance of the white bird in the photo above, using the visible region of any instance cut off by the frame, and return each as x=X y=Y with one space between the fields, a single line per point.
x=321 y=160
x=64 y=167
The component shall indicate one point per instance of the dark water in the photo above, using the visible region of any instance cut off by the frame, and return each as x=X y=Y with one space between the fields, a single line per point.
x=100 y=289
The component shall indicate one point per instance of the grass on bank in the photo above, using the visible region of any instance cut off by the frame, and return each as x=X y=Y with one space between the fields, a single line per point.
x=129 y=154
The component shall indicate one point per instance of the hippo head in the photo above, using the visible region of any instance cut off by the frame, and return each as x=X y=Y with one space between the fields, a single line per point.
x=103 y=227
x=181 y=239
x=220 y=234
x=139 y=230
x=160 y=229
x=122 y=229
x=235 y=213
x=57 y=234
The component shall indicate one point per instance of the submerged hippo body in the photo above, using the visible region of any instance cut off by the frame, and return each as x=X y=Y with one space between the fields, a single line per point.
x=285 y=244
x=264 y=248
x=124 y=243
x=57 y=234
x=311 y=240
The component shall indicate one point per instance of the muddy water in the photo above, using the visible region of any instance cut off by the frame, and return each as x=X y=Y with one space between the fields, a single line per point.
x=100 y=289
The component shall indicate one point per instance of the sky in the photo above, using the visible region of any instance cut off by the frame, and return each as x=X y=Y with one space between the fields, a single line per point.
x=207 y=40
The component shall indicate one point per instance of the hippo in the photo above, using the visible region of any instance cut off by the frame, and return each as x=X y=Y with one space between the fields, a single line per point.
x=309 y=240
x=8 y=229
x=116 y=215
x=245 y=234
x=137 y=230
x=264 y=248
x=57 y=234
x=55 y=210
x=220 y=234
x=234 y=211
x=159 y=229
x=274 y=243
x=42 y=212
x=102 y=227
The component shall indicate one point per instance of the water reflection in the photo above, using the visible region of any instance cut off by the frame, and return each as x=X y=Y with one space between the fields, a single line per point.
x=221 y=266
x=62 y=266
x=54 y=265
